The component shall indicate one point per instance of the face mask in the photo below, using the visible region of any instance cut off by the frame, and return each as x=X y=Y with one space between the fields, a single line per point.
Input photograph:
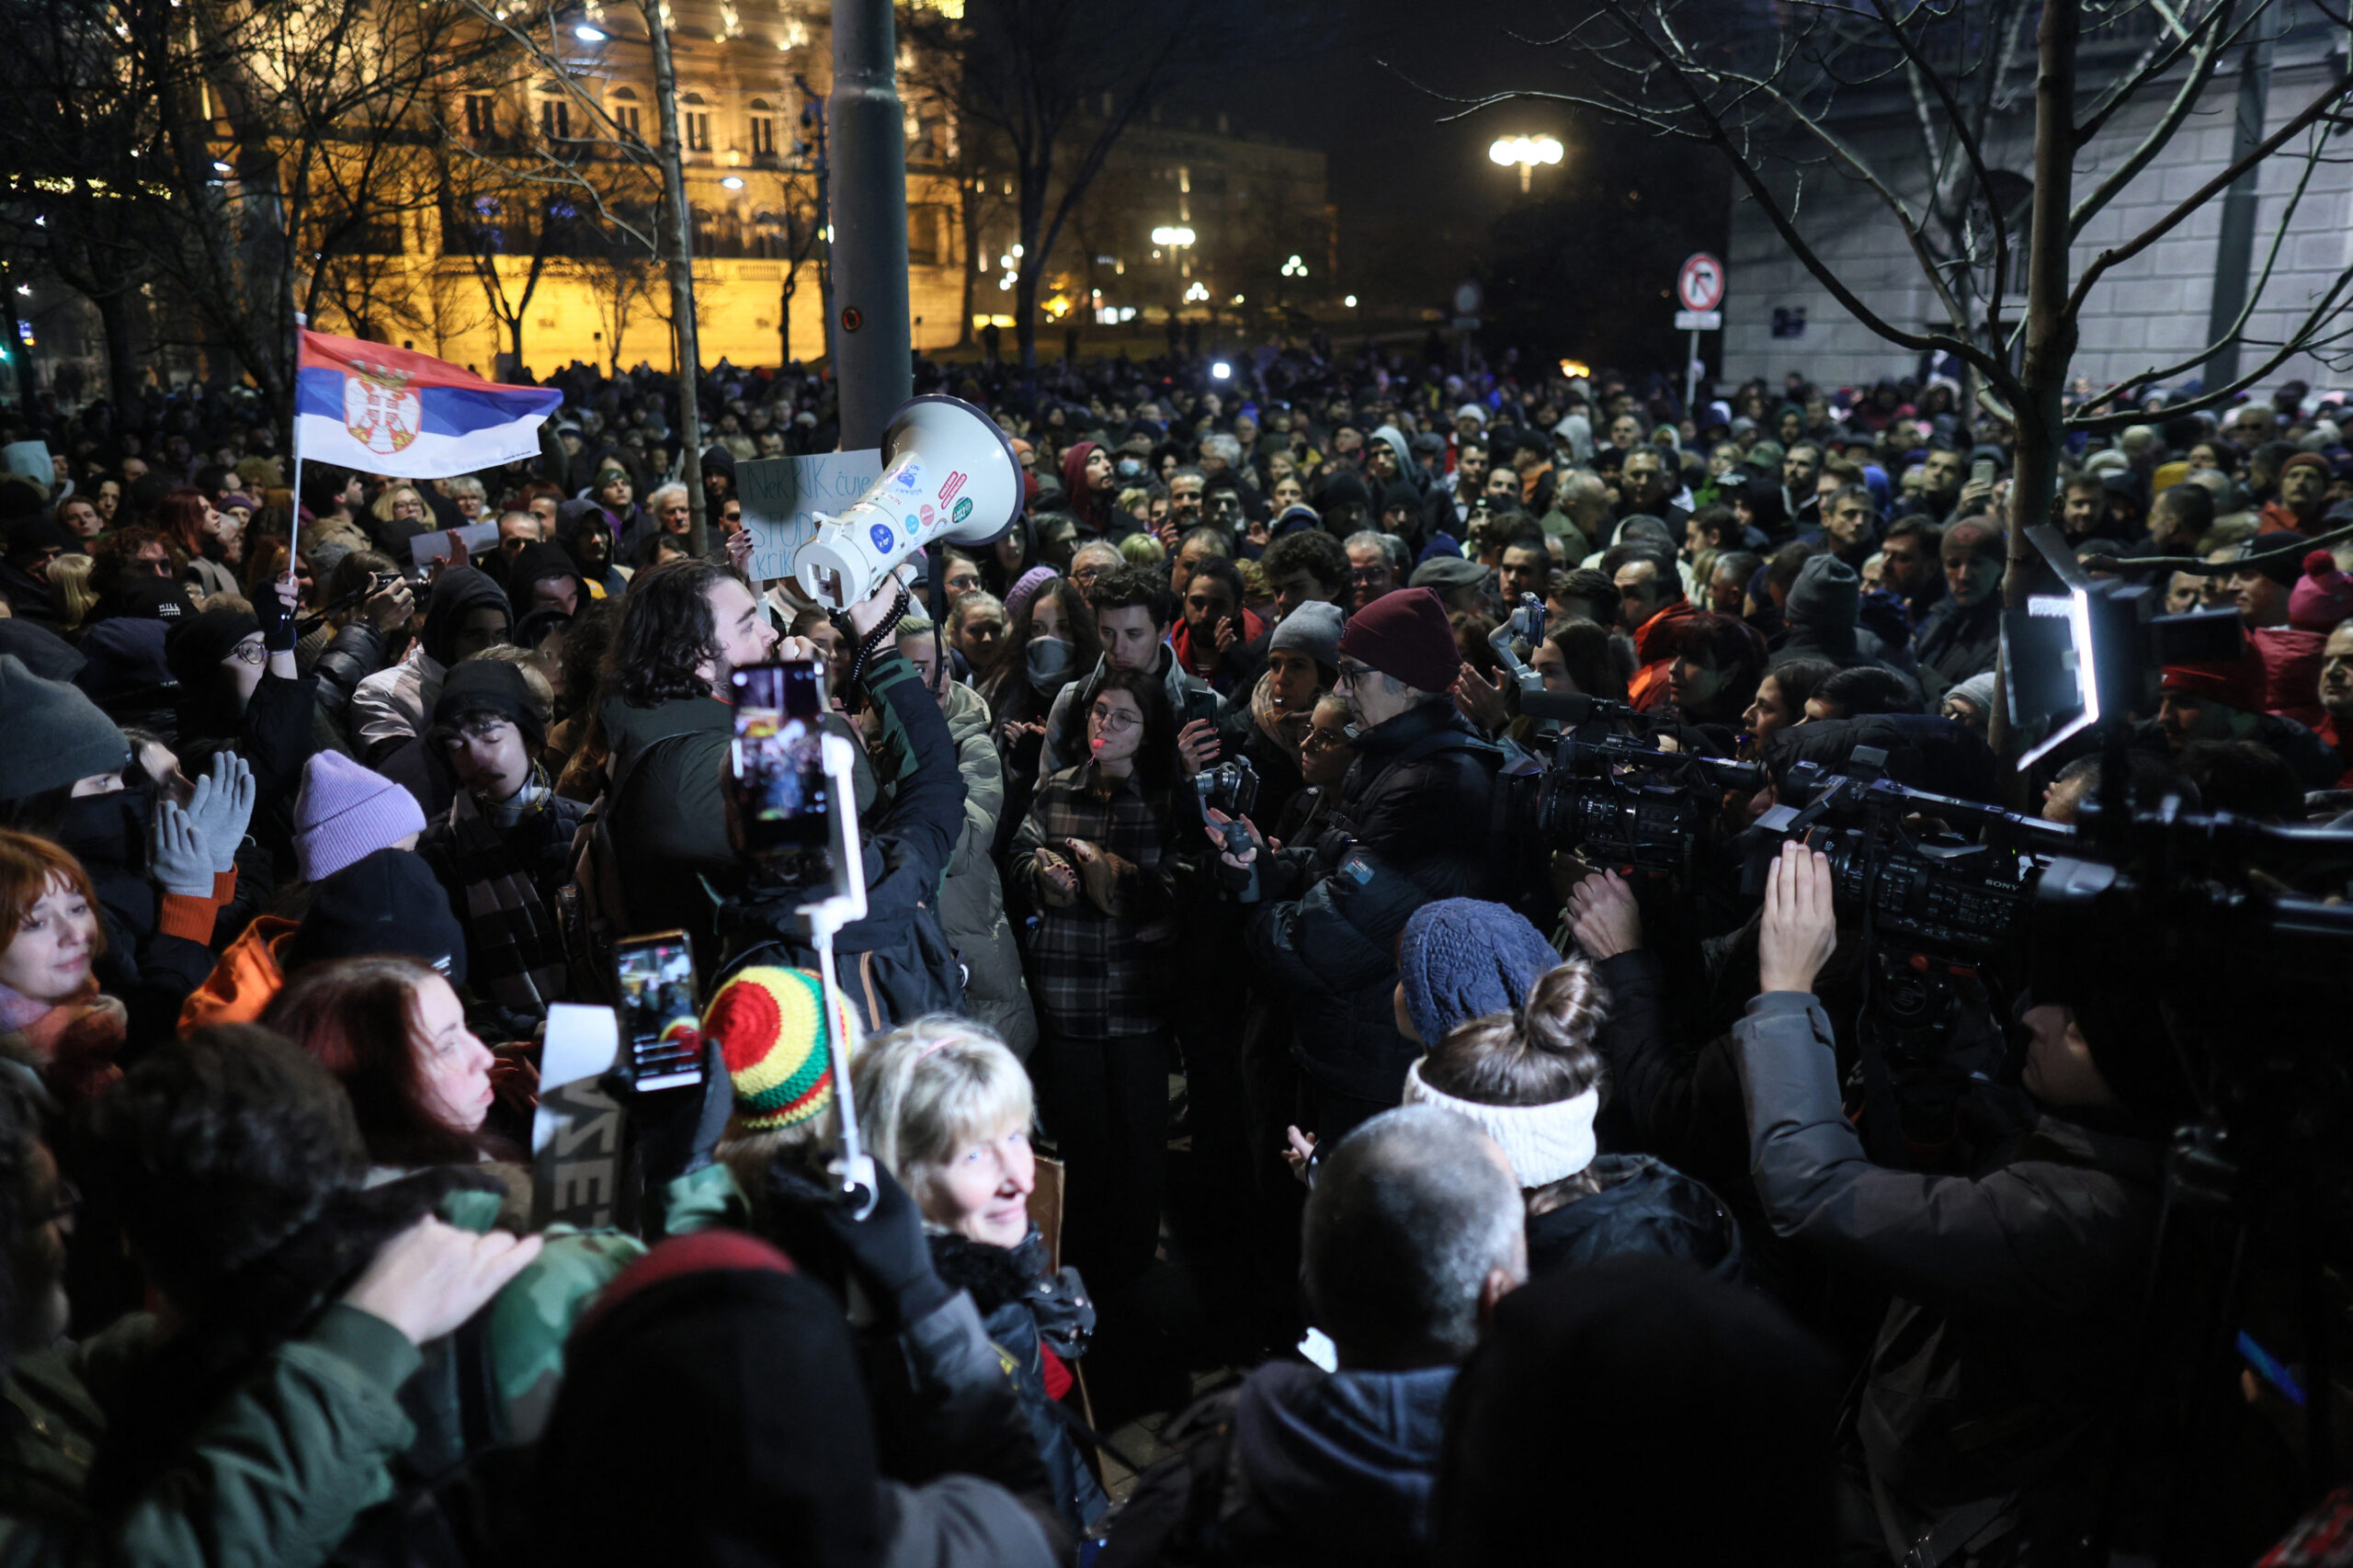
x=1047 y=660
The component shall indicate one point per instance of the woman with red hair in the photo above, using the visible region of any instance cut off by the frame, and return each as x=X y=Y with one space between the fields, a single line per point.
x=51 y=1012
x=210 y=540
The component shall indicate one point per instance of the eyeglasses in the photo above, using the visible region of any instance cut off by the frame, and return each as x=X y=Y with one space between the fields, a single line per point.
x=1115 y=721
x=1352 y=673
x=1323 y=739
x=248 y=652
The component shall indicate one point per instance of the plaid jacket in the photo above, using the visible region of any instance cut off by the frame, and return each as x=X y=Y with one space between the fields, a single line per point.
x=1093 y=975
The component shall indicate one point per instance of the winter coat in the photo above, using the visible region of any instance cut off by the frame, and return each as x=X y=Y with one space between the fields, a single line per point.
x=896 y=964
x=340 y=664
x=1955 y=643
x=1296 y=1466
x=281 y=1471
x=1099 y=973
x=1412 y=825
x=1645 y=1206
x=972 y=901
x=1040 y=1319
x=1999 y=1357
x=394 y=704
x=157 y=947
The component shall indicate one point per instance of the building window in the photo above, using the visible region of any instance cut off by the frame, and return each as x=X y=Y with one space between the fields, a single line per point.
x=625 y=114
x=482 y=115
x=698 y=121
x=555 y=118
x=763 y=129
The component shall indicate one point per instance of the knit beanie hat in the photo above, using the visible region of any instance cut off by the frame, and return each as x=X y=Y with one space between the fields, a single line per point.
x=1826 y=597
x=198 y=643
x=344 y=811
x=489 y=686
x=1313 y=629
x=778 y=1041
x=1027 y=588
x=156 y=599
x=388 y=901
x=2323 y=597
x=1463 y=959
x=1404 y=635
x=1977 y=690
x=56 y=734
x=2306 y=459
x=2239 y=683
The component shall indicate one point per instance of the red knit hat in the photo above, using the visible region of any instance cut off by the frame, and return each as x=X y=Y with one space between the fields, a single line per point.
x=2304 y=460
x=1405 y=636
x=2237 y=683
x=2323 y=597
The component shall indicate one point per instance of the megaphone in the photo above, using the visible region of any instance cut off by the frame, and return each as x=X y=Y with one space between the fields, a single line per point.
x=948 y=473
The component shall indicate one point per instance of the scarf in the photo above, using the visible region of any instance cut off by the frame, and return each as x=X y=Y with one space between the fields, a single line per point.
x=514 y=948
x=1286 y=730
x=74 y=1042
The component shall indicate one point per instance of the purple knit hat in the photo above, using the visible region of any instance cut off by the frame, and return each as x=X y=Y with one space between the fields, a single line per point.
x=1030 y=584
x=345 y=812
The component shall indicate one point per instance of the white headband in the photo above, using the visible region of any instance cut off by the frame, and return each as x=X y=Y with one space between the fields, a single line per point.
x=1544 y=1143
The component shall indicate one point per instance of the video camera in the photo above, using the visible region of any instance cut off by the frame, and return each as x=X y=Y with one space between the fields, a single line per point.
x=1940 y=887
x=1615 y=798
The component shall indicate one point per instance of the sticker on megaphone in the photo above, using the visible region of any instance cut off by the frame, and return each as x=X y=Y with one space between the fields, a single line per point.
x=948 y=474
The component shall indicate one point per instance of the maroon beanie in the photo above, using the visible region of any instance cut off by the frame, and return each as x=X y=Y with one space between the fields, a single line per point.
x=2323 y=597
x=1405 y=636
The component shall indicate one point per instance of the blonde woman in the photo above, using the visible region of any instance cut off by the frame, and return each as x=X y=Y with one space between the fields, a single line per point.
x=69 y=584
x=947 y=1110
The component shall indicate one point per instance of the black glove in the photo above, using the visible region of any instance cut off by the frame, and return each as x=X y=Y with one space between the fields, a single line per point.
x=887 y=1252
x=678 y=1130
x=280 y=626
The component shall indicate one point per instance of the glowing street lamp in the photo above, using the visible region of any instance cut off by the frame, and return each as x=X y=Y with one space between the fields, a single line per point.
x=1172 y=236
x=1526 y=152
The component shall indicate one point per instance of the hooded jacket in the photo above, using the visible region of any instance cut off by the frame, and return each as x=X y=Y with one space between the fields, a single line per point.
x=1296 y=1466
x=572 y=519
x=1645 y=1206
x=972 y=901
x=1823 y=619
x=535 y=564
x=395 y=704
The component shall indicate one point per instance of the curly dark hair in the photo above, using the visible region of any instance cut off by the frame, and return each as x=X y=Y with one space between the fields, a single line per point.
x=1310 y=549
x=238 y=1171
x=666 y=629
x=1130 y=586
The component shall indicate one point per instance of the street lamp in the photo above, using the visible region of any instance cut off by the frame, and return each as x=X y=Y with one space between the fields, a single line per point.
x=1526 y=152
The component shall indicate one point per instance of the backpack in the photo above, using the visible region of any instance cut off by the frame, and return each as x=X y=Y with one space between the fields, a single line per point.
x=592 y=911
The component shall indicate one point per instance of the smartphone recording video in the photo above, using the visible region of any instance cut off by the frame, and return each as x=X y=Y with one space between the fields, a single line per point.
x=659 y=1025
x=780 y=793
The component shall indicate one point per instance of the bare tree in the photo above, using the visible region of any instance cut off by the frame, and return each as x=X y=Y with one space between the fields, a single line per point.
x=1055 y=84
x=1769 y=97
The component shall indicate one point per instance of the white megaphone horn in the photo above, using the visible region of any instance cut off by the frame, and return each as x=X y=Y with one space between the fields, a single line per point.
x=948 y=473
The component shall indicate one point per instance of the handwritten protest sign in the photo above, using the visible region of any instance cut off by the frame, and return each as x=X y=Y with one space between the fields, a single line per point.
x=782 y=497
x=576 y=1136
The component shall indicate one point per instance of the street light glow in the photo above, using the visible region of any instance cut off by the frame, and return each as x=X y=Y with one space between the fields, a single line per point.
x=1525 y=150
x=1172 y=235
x=1220 y=370
x=1294 y=267
x=1349 y=300
x=733 y=182
x=1199 y=293
x=587 y=34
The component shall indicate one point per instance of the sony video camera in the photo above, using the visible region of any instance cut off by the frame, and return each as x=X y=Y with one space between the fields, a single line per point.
x=1616 y=799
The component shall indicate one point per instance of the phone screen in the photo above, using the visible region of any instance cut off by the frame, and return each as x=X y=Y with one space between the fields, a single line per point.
x=1982 y=471
x=658 y=1018
x=778 y=758
x=1201 y=705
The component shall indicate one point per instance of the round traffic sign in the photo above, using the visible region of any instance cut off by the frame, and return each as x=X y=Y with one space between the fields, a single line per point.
x=1701 y=282
x=1468 y=298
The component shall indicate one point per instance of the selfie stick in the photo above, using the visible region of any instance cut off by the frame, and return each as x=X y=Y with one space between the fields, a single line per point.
x=853 y=1168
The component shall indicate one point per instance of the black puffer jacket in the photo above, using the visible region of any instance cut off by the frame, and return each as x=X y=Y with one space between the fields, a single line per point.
x=1645 y=1206
x=348 y=657
x=1029 y=1308
x=1411 y=825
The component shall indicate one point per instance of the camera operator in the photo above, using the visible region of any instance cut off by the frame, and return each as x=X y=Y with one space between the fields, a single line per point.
x=1999 y=1357
x=1411 y=824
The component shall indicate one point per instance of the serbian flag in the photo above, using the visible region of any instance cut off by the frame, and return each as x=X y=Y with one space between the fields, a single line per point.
x=408 y=415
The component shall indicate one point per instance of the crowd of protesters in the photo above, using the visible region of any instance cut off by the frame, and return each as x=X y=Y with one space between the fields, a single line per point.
x=1527 y=1213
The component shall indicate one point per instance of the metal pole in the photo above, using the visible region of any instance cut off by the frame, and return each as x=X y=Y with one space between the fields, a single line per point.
x=682 y=277
x=1691 y=373
x=869 y=201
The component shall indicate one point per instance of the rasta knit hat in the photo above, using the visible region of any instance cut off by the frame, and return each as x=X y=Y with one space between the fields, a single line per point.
x=778 y=1041
x=1405 y=636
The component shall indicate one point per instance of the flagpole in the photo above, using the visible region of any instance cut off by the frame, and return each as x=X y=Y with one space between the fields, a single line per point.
x=294 y=440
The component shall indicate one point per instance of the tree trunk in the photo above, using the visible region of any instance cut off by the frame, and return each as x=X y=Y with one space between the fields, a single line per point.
x=1034 y=176
x=122 y=359
x=682 y=279
x=2049 y=327
x=971 y=192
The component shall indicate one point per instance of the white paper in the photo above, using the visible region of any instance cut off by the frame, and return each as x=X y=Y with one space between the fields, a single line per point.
x=576 y=1133
x=782 y=497
x=435 y=546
